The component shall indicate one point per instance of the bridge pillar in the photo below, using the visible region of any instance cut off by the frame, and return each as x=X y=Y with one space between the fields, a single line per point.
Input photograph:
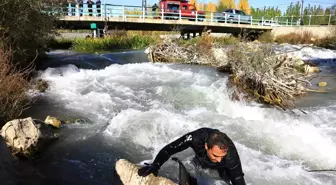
x=188 y=36
x=194 y=35
x=182 y=35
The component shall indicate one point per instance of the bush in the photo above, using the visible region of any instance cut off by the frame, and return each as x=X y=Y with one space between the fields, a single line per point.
x=329 y=42
x=13 y=96
x=266 y=37
x=296 y=38
x=24 y=30
x=59 y=43
x=263 y=76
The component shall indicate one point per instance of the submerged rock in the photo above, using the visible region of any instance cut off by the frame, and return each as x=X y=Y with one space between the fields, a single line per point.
x=128 y=173
x=42 y=85
x=25 y=137
x=74 y=120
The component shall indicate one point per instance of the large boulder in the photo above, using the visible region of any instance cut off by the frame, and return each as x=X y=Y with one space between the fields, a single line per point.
x=128 y=173
x=27 y=136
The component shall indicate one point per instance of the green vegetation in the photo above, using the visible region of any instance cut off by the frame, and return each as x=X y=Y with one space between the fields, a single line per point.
x=60 y=43
x=24 y=31
x=113 y=43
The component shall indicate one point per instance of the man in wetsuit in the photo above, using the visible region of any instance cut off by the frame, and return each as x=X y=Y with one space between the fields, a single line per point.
x=213 y=149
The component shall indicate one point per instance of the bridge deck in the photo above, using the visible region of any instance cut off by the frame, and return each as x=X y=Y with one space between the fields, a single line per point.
x=83 y=22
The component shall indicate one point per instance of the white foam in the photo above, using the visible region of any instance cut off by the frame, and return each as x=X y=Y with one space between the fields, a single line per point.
x=150 y=105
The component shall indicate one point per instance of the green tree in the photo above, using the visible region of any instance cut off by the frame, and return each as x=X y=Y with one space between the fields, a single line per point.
x=25 y=27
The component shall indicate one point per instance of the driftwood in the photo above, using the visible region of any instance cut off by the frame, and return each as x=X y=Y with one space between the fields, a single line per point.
x=128 y=173
x=171 y=51
x=265 y=75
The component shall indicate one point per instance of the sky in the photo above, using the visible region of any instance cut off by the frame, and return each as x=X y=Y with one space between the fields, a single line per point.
x=282 y=4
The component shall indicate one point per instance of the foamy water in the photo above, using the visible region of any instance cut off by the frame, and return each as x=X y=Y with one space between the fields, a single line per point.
x=148 y=105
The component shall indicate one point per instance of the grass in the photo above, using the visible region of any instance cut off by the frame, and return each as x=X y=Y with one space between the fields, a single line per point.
x=296 y=38
x=113 y=43
x=115 y=40
x=328 y=42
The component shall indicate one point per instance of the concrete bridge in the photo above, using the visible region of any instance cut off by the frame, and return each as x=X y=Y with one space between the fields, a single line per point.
x=139 y=18
x=179 y=25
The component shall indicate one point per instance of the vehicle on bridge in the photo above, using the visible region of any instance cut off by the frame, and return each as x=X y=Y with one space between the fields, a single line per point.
x=233 y=16
x=172 y=10
x=268 y=23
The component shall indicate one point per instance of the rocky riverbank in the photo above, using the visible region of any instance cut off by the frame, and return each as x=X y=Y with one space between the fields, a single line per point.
x=27 y=137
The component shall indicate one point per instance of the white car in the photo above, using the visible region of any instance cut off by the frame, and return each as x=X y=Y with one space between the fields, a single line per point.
x=268 y=23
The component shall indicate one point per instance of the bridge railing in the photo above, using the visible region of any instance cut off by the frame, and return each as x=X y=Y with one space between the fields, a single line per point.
x=127 y=12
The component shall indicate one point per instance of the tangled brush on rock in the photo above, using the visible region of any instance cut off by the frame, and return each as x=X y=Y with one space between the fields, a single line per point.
x=199 y=52
x=264 y=75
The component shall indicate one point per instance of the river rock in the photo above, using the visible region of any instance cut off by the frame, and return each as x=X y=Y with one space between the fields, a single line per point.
x=128 y=173
x=322 y=84
x=26 y=136
x=53 y=122
x=311 y=69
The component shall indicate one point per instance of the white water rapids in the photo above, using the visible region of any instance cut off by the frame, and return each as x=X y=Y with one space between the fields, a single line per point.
x=148 y=105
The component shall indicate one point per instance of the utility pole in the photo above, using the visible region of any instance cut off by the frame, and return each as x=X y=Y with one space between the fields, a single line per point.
x=301 y=22
x=144 y=5
x=301 y=8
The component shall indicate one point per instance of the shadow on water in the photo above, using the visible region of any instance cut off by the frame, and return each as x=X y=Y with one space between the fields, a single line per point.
x=59 y=58
x=63 y=163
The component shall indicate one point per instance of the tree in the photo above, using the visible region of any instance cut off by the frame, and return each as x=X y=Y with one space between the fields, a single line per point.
x=200 y=6
x=24 y=30
x=210 y=7
x=193 y=2
x=222 y=5
x=244 y=6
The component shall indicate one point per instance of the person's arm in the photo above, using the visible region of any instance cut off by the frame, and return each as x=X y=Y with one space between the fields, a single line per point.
x=164 y=154
x=233 y=170
x=172 y=148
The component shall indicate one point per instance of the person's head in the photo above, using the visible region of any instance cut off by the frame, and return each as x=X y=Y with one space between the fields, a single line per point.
x=217 y=146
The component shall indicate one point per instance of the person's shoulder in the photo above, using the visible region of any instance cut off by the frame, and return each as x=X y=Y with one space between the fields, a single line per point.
x=202 y=133
x=206 y=130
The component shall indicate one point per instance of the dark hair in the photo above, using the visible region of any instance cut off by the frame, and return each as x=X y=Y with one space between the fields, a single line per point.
x=218 y=138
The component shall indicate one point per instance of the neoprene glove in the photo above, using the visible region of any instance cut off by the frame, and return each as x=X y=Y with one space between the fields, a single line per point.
x=148 y=169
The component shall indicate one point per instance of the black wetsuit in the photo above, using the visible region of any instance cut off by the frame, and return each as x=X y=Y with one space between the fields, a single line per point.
x=229 y=167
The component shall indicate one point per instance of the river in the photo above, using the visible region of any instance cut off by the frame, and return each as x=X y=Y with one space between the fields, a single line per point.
x=132 y=108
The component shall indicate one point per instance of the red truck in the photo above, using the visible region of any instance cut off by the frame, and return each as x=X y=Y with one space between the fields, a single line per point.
x=188 y=11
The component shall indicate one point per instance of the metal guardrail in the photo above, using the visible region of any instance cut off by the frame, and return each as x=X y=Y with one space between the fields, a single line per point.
x=123 y=11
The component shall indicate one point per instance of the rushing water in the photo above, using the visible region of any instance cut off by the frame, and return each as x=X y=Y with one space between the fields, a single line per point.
x=134 y=109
